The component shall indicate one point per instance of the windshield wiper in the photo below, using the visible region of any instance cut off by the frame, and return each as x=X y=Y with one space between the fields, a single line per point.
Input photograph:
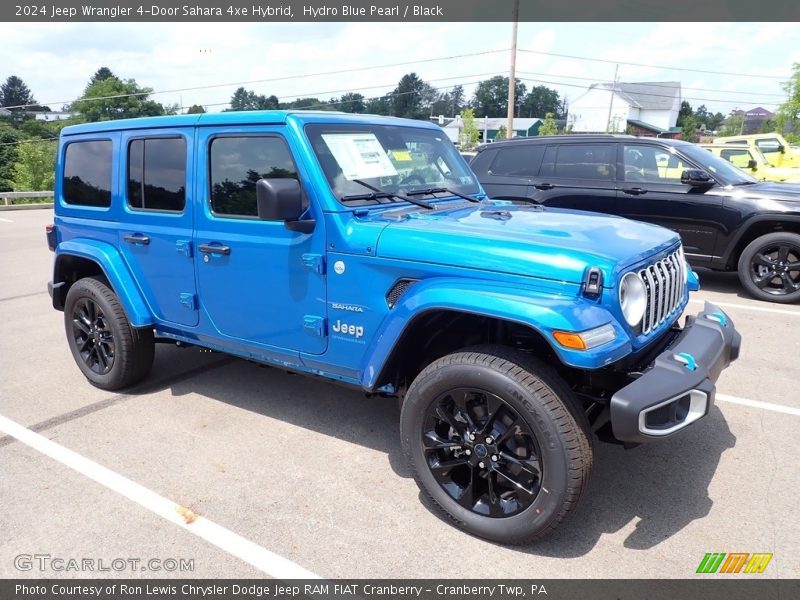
x=441 y=190
x=379 y=193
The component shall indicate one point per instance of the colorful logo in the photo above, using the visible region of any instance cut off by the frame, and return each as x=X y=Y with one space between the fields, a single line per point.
x=734 y=562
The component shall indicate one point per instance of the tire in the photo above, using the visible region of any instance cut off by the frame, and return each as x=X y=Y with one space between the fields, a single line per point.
x=539 y=437
x=769 y=267
x=109 y=352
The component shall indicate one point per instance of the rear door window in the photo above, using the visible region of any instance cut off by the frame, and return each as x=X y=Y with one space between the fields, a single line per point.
x=580 y=161
x=157 y=174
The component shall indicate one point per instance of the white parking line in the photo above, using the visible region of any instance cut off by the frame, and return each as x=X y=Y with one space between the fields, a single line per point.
x=262 y=559
x=6 y=220
x=777 y=311
x=781 y=408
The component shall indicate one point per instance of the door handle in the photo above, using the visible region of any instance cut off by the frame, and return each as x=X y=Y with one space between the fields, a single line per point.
x=214 y=249
x=543 y=186
x=137 y=238
x=637 y=191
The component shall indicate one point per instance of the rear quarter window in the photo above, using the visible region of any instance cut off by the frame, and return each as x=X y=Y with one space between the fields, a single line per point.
x=87 y=173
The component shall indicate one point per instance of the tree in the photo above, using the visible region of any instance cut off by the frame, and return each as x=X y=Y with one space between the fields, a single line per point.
x=549 y=126
x=501 y=134
x=352 y=103
x=542 y=100
x=381 y=105
x=411 y=97
x=101 y=74
x=684 y=112
x=469 y=135
x=733 y=125
x=195 y=109
x=114 y=98
x=243 y=99
x=14 y=92
x=491 y=96
x=689 y=129
x=456 y=99
x=34 y=170
x=787 y=119
x=9 y=153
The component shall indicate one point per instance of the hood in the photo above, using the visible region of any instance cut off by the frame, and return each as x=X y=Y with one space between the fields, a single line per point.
x=527 y=240
x=774 y=190
x=787 y=174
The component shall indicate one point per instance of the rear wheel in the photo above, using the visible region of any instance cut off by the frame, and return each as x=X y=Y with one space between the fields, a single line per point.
x=493 y=437
x=110 y=352
x=769 y=267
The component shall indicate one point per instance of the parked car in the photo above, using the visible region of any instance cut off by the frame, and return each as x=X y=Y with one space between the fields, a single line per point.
x=751 y=160
x=362 y=250
x=727 y=219
x=773 y=146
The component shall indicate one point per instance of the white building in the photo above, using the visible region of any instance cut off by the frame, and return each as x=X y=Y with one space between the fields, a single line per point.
x=653 y=106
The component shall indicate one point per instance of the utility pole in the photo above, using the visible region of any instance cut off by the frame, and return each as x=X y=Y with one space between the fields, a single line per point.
x=512 y=77
x=611 y=102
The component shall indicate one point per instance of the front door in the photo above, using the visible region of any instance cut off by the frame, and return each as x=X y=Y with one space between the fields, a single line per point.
x=259 y=282
x=155 y=230
x=652 y=191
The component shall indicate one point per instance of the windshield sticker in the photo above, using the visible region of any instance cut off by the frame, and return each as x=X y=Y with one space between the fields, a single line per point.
x=360 y=155
x=401 y=155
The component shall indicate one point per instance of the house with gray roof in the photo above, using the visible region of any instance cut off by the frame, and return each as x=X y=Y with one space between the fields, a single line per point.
x=643 y=107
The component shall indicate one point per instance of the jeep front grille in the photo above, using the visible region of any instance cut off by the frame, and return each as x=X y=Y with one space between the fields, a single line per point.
x=663 y=281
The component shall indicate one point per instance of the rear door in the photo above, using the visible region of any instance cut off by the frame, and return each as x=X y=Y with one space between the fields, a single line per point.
x=506 y=172
x=651 y=191
x=156 y=220
x=580 y=176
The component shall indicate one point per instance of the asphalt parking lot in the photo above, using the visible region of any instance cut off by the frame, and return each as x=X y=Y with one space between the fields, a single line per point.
x=280 y=468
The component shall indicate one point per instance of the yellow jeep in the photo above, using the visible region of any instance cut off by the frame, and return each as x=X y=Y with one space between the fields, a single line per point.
x=773 y=146
x=752 y=160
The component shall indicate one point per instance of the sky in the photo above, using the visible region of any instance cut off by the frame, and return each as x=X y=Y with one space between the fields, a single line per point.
x=747 y=62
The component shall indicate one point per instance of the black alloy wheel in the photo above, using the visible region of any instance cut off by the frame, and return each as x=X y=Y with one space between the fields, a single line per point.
x=481 y=452
x=776 y=269
x=769 y=267
x=93 y=336
x=109 y=351
x=495 y=439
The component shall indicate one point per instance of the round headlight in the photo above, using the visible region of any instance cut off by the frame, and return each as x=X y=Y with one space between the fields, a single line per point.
x=632 y=298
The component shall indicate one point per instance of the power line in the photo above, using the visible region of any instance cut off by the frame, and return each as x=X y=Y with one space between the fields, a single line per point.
x=665 y=68
x=270 y=80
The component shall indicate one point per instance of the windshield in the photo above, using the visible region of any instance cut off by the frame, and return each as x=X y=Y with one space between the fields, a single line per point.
x=719 y=167
x=389 y=158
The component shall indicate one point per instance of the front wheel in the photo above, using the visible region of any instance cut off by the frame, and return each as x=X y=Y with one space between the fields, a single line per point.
x=769 y=267
x=494 y=438
x=109 y=351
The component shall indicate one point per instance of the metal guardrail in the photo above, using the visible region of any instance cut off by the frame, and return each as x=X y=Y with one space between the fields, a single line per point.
x=6 y=196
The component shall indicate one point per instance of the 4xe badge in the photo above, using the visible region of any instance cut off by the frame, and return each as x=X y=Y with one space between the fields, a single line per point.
x=354 y=331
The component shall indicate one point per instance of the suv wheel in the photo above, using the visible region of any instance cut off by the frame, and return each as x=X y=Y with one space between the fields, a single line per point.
x=493 y=437
x=108 y=350
x=769 y=268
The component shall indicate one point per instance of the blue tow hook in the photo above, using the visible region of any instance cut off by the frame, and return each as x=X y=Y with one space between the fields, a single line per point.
x=687 y=360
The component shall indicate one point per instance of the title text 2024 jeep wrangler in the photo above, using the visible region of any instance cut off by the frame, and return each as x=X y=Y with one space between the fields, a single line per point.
x=362 y=249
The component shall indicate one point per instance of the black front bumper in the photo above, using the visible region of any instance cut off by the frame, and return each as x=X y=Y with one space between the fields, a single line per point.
x=678 y=388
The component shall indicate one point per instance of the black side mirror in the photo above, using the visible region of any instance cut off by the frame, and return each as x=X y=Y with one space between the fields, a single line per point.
x=752 y=164
x=696 y=178
x=781 y=148
x=281 y=199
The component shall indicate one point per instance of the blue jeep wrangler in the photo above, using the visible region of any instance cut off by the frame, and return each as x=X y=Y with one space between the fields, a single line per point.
x=361 y=249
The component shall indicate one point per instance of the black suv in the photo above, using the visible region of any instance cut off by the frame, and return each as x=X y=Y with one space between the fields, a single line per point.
x=728 y=220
